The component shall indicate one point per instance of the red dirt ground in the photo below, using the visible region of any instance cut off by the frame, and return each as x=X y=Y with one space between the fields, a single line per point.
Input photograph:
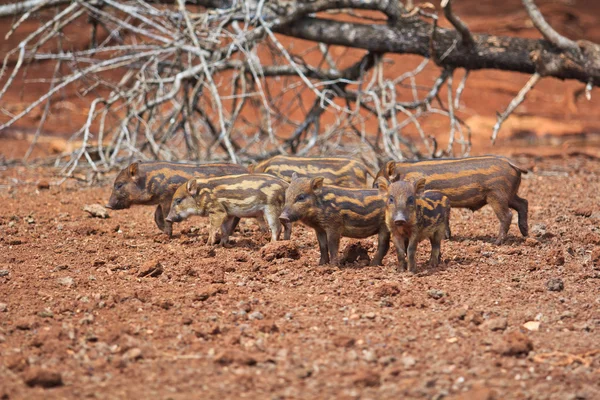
x=239 y=322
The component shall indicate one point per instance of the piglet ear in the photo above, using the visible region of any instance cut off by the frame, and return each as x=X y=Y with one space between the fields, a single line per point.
x=382 y=184
x=192 y=187
x=389 y=169
x=316 y=183
x=134 y=170
x=419 y=185
x=251 y=168
x=294 y=176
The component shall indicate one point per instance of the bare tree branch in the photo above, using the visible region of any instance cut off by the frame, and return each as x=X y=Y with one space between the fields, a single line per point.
x=546 y=30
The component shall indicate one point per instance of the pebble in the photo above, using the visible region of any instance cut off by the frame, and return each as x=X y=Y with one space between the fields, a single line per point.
x=436 y=294
x=4 y=272
x=288 y=316
x=495 y=324
x=513 y=344
x=43 y=378
x=96 y=211
x=132 y=355
x=408 y=361
x=532 y=325
x=66 y=281
x=369 y=315
x=369 y=356
x=152 y=269
x=43 y=185
x=3 y=307
x=366 y=379
x=555 y=285
x=256 y=315
x=386 y=360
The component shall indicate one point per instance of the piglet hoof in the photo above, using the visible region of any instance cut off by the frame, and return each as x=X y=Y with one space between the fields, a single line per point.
x=499 y=241
x=401 y=267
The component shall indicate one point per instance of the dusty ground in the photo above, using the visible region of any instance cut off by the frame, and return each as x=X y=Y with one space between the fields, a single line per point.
x=238 y=323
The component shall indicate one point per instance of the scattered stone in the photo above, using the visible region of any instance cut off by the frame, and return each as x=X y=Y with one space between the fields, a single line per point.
x=16 y=241
x=88 y=319
x=408 y=361
x=288 y=316
x=344 y=341
x=15 y=362
x=280 y=249
x=555 y=285
x=369 y=356
x=531 y=242
x=43 y=378
x=532 y=325
x=2 y=338
x=3 y=307
x=43 y=185
x=229 y=357
x=369 y=315
x=436 y=294
x=513 y=344
x=96 y=211
x=25 y=324
x=495 y=324
x=583 y=212
x=538 y=230
x=66 y=281
x=366 y=379
x=47 y=313
x=256 y=315
x=152 y=269
x=386 y=360
x=4 y=272
x=387 y=290
x=303 y=373
x=556 y=257
x=133 y=354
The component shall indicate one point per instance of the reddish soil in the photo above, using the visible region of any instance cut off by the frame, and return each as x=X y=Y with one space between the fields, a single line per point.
x=111 y=308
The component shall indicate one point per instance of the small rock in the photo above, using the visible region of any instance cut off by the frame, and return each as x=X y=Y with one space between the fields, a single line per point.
x=513 y=344
x=531 y=242
x=303 y=373
x=344 y=341
x=288 y=316
x=2 y=338
x=436 y=294
x=366 y=379
x=43 y=185
x=43 y=378
x=25 y=324
x=386 y=360
x=369 y=356
x=3 y=307
x=256 y=315
x=495 y=324
x=583 y=211
x=66 y=281
x=4 y=272
x=369 y=315
x=538 y=230
x=96 y=211
x=152 y=269
x=387 y=290
x=133 y=354
x=555 y=285
x=532 y=325
x=228 y=357
x=408 y=361
x=47 y=313
x=280 y=249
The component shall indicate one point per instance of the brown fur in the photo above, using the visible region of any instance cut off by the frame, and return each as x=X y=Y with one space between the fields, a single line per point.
x=472 y=183
x=344 y=172
x=413 y=215
x=154 y=183
x=225 y=198
x=334 y=212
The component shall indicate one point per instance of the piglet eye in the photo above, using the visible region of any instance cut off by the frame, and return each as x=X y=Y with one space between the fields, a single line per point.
x=301 y=197
x=391 y=199
x=410 y=200
x=178 y=201
x=119 y=185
